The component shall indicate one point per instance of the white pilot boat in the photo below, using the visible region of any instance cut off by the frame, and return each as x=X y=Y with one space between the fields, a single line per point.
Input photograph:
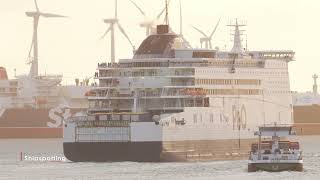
x=277 y=154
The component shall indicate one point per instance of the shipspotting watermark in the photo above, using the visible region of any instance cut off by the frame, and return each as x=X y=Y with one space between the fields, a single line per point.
x=41 y=157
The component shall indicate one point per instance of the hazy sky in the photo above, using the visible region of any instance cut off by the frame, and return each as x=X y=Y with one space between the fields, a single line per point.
x=72 y=46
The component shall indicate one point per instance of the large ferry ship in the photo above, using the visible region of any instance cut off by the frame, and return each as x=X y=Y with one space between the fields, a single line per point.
x=171 y=102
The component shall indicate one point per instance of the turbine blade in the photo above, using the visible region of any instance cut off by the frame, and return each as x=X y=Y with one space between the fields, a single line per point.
x=186 y=41
x=215 y=28
x=136 y=5
x=29 y=54
x=180 y=17
x=48 y=15
x=124 y=33
x=160 y=14
x=204 y=34
x=104 y=35
x=116 y=9
x=36 y=4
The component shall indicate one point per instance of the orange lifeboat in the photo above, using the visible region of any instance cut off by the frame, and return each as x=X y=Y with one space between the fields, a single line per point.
x=41 y=101
x=90 y=93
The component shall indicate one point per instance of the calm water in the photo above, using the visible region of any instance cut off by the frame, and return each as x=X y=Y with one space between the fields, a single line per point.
x=12 y=168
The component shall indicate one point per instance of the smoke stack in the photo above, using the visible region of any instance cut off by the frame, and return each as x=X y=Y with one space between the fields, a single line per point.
x=3 y=74
x=162 y=29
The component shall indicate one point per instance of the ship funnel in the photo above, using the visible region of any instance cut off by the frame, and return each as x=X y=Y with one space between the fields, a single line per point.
x=162 y=29
x=3 y=74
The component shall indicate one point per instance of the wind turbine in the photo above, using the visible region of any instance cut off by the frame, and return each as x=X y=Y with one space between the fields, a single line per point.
x=34 y=44
x=207 y=39
x=148 y=24
x=115 y=21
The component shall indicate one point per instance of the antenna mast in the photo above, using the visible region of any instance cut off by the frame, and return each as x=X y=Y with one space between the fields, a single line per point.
x=180 y=18
x=166 y=18
x=237 y=46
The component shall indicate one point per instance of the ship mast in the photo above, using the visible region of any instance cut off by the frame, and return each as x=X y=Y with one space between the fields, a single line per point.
x=167 y=13
x=237 y=45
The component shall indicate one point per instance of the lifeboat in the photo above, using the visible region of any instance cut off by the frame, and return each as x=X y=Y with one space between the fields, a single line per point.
x=90 y=93
x=41 y=101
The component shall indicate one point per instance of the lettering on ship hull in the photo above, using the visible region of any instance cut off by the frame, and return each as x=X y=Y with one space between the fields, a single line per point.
x=57 y=115
x=2 y=110
x=239 y=117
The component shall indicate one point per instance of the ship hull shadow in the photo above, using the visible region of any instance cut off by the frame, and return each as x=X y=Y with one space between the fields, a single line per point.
x=113 y=151
x=275 y=167
x=156 y=151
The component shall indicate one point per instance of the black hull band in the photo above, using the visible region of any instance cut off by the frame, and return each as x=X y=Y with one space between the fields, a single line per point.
x=112 y=151
x=275 y=167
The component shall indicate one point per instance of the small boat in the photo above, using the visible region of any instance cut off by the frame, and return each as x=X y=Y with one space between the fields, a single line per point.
x=275 y=154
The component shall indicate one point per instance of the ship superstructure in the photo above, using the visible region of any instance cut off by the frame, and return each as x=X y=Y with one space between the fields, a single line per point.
x=171 y=102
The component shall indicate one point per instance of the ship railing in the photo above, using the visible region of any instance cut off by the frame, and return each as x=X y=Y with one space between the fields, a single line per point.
x=294 y=155
x=149 y=106
x=106 y=107
x=78 y=118
x=110 y=65
x=142 y=95
x=49 y=76
x=144 y=75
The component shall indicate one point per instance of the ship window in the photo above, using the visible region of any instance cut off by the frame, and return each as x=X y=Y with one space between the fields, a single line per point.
x=115 y=117
x=126 y=117
x=211 y=117
x=13 y=83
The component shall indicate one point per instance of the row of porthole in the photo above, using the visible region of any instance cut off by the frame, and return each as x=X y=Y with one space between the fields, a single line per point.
x=242 y=71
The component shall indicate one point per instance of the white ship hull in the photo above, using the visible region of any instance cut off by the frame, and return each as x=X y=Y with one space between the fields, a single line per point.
x=208 y=133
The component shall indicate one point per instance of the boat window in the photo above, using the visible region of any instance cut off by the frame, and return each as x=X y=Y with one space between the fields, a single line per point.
x=211 y=117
